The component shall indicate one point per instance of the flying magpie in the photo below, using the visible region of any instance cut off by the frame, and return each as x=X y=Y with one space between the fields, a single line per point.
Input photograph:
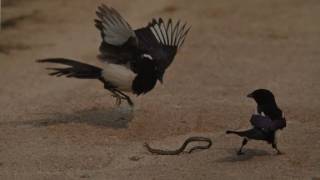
x=265 y=124
x=133 y=60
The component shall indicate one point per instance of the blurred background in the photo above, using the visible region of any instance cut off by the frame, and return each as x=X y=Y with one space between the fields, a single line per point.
x=60 y=128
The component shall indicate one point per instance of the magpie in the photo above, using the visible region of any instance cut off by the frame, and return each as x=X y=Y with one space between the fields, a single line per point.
x=265 y=124
x=133 y=60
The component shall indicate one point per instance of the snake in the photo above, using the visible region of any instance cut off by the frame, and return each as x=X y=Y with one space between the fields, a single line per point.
x=182 y=148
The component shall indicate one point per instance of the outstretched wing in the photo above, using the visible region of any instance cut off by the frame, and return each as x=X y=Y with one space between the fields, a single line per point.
x=118 y=38
x=162 y=40
x=114 y=29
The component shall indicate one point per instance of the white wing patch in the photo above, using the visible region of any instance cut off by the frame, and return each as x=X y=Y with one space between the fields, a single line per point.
x=115 y=29
x=147 y=56
x=169 y=34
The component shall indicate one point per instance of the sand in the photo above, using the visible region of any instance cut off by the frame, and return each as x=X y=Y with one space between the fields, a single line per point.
x=60 y=128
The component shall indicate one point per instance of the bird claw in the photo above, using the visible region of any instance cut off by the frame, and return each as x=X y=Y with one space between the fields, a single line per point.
x=118 y=99
x=129 y=102
x=240 y=153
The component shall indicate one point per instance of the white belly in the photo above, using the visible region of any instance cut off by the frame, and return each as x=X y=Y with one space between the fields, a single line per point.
x=119 y=75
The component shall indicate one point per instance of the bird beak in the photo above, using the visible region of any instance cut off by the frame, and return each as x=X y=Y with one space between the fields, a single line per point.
x=250 y=95
x=161 y=81
x=160 y=78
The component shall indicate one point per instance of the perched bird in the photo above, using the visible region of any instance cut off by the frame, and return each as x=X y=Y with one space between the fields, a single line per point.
x=265 y=124
x=134 y=60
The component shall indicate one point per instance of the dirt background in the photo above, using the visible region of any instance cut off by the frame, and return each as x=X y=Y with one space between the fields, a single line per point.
x=59 y=128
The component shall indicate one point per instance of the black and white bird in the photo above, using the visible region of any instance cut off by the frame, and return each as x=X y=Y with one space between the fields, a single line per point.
x=265 y=124
x=134 y=60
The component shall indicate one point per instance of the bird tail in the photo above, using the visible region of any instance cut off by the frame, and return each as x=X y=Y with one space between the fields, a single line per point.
x=75 y=69
x=239 y=133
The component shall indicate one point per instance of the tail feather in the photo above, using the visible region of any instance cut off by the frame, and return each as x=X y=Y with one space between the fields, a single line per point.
x=255 y=133
x=239 y=133
x=76 y=69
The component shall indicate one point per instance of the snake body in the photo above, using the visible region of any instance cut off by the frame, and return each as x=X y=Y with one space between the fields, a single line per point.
x=182 y=148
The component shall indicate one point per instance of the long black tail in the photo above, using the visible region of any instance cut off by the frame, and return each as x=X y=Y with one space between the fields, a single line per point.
x=239 y=133
x=255 y=133
x=76 y=69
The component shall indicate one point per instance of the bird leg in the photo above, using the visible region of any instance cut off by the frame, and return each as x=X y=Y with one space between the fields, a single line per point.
x=117 y=94
x=244 y=142
x=124 y=97
x=274 y=145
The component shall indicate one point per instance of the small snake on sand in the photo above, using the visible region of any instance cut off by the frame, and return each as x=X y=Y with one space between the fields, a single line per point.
x=182 y=148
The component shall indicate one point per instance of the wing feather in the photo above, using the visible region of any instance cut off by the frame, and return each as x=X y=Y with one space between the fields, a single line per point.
x=168 y=35
x=162 y=40
x=169 y=30
x=114 y=29
x=182 y=35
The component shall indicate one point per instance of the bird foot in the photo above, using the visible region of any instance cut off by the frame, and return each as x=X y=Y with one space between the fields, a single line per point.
x=118 y=99
x=129 y=102
x=240 y=153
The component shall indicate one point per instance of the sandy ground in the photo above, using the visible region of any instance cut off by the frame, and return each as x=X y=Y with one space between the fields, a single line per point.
x=59 y=128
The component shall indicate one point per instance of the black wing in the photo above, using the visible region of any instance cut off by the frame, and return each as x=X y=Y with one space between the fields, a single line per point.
x=260 y=121
x=265 y=122
x=118 y=39
x=162 y=40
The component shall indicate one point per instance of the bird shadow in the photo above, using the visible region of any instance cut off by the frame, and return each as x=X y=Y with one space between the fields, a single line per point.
x=248 y=154
x=115 y=118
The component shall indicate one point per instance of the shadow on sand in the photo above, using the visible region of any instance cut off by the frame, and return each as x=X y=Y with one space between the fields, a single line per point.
x=115 y=118
x=248 y=154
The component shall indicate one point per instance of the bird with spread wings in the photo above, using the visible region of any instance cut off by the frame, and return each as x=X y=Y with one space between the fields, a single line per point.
x=133 y=60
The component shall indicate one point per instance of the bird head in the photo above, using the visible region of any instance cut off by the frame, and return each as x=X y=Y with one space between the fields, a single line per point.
x=148 y=64
x=262 y=96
